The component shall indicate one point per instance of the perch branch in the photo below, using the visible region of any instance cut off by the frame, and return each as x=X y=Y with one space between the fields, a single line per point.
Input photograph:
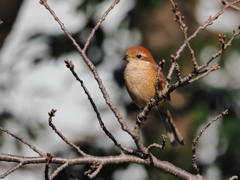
x=123 y=158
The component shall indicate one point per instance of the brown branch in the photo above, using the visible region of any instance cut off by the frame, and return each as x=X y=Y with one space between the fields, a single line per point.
x=224 y=2
x=179 y=18
x=194 y=157
x=94 y=170
x=98 y=24
x=47 y=166
x=70 y=65
x=213 y=68
x=123 y=158
x=18 y=166
x=23 y=141
x=207 y=23
x=52 y=114
x=58 y=170
x=162 y=146
x=92 y=68
x=224 y=47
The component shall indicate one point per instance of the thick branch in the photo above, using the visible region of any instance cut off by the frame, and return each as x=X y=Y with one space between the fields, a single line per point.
x=162 y=165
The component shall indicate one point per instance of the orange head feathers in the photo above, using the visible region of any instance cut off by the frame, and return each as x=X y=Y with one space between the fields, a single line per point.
x=138 y=53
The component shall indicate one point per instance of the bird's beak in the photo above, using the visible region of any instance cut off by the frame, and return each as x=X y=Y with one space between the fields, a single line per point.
x=125 y=57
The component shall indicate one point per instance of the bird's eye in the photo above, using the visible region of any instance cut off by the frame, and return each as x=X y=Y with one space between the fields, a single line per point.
x=139 y=56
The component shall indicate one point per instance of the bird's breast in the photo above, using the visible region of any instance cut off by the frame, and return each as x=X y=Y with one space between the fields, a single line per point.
x=139 y=80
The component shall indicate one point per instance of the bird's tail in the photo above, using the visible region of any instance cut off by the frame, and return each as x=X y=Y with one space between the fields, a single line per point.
x=173 y=133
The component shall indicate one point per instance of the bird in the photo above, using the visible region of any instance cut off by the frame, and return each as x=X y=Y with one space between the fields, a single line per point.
x=139 y=77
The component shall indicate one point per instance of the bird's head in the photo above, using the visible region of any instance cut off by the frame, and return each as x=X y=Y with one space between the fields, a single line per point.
x=138 y=53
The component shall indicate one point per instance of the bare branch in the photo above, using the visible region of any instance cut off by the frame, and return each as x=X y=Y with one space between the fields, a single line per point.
x=98 y=24
x=23 y=141
x=231 y=6
x=224 y=47
x=207 y=23
x=47 y=166
x=18 y=166
x=123 y=158
x=70 y=65
x=94 y=170
x=194 y=157
x=142 y=155
x=58 y=170
x=162 y=146
x=52 y=114
x=91 y=67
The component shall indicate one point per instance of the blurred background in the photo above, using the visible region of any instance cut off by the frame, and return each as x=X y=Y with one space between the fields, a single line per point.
x=34 y=79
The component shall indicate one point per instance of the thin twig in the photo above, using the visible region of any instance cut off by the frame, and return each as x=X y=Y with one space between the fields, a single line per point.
x=98 y=24
x=47 y=166
x=92 y=68
x=213 y=68
x=23 y=141
x=231 y=6
x=207 y=23
x=162 y=146
x=194 y=157
x=58 y=170
x=51 y=115
x=159 y=72
x=224 y=47
x=19 y=165
x=70 y=65
x=177 y=68
x=94 y=170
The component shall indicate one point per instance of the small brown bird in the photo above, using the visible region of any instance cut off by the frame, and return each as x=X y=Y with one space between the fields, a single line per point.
x=140 y=76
